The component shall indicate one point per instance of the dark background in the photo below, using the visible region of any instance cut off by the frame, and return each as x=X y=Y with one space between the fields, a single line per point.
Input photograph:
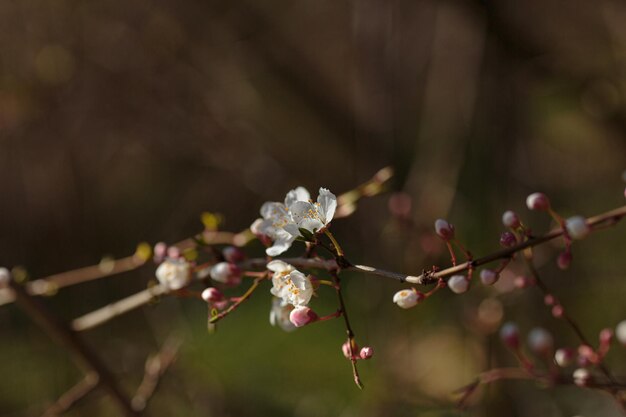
x=121 y=122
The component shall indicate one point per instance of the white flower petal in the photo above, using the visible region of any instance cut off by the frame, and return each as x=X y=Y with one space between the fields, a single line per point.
x=312 y=225
x=297 y=194
x=292 y=229
x=328 y=205
x=279 y=266
x=280 y=245
x=273 y=210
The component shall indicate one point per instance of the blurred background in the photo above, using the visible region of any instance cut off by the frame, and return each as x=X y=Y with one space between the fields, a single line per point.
x=121 y=122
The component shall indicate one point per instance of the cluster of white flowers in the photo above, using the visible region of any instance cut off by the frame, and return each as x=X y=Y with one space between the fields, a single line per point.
x=283 y=222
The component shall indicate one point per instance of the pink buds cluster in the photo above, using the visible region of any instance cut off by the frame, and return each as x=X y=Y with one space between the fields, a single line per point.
x=365 y=353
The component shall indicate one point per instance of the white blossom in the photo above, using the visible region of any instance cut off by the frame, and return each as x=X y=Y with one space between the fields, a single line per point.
x=279 y=315
x=311 y=216
x=289 y=284
x=173 y=273
x=275 y=216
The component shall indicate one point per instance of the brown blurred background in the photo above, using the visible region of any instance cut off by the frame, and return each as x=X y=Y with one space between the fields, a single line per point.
x=121 y=122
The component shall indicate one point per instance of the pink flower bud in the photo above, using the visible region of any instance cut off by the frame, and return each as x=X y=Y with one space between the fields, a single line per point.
x=509 y=334
x=540 y=341
x=564 y=260
x=620 y=332
x=564 y=357
x=366 y=352
x=488 y=276
x=173 y=252
x=212 y=295
x=233 y=254
x=221 y=305
x=444 y=229
x=549 y=300
x=226 y=273
x=345 y=348
x=586 y=355
x=522 y=282
x=301 y=316
x=577 y=227
x=606 y=336
x=458 y=284
x=5 y=277
x=510 y=219
x=160 y=251
x=538 y=201
x=558 y=311
x=508 y=239
x=581 y=377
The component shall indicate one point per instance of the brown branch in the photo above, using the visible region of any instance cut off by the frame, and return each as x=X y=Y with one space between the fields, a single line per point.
x=117 y=308
x=155 y=368
x=599 y=222
x=349 y=332
x=73 y=395
x=85 y=358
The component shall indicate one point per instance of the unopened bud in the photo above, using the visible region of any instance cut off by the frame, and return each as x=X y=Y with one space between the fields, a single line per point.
x=558 y=311
x=586 y=355
x=510 y=219
x=301 y=316
x=549 y=300
x=509 y=334
x=620 y=332
x=540 y=341
x=522 y=282
x=173 y=252
x=233 y=254
x=508 y=239
x=444 y=229
x=160 y=251
x=408 y=298
x=577 y=227
x=458 y=284
x=5 y=277
x=581 y=377
x=538 y=201
x=366 y=352
x=345 y=348
x=606 y=336
x=212 y=295
x=226 y=273
x=564 y=260
x=564 y=357
x=488 y=276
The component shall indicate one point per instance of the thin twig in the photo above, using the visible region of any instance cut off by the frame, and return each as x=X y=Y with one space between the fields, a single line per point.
x=233 y=307
x=73 y=395
x=155 y=367
x=349 y=332
x=85 y=358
